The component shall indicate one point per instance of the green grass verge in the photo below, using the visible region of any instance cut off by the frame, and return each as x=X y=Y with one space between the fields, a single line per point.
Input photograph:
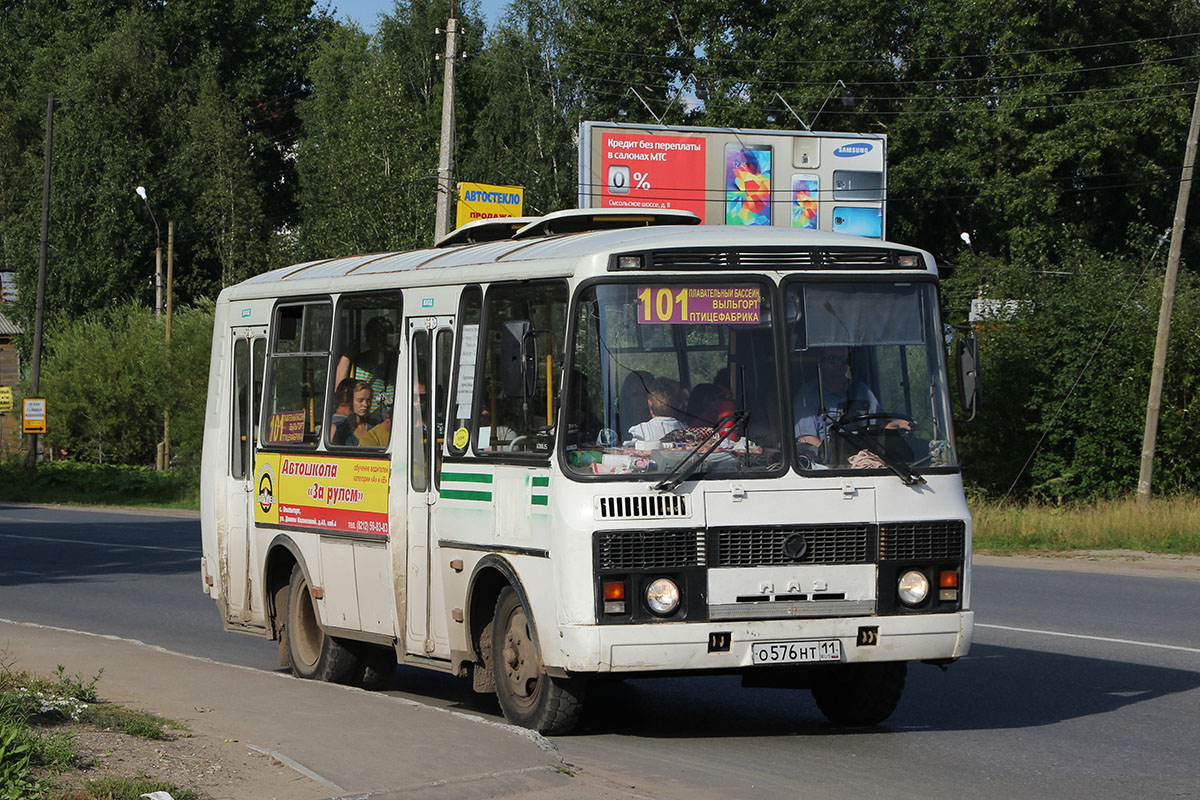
x=32 y=762
x=1170 y=525
x=76 y=482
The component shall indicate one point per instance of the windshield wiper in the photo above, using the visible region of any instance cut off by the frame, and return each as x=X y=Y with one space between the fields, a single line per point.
x=906 y=475
x=690 y=463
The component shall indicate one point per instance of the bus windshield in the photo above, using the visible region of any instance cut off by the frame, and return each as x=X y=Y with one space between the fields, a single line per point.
x=867 y=379
x=661 y=372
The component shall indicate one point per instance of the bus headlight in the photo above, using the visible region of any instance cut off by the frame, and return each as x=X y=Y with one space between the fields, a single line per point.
x=662 y=596
x=913 y=587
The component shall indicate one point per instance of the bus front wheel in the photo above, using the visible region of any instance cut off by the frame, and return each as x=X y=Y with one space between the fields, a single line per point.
x=314 y=654
x=528 y=696
x=860 y=694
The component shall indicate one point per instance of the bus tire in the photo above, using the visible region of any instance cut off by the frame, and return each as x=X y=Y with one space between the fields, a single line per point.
x=528 y=696
x=314 y=654
x=375 y=667
x=860 y=694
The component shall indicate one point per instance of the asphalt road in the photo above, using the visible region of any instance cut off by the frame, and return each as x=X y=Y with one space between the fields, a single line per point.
x=1078 y=685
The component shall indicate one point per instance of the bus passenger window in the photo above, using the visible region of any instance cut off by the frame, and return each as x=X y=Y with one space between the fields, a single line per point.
x=522 y=367
x=363 y=390
x=298 y=365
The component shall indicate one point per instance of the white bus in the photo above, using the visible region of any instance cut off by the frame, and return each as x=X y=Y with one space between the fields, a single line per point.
x=592 y=445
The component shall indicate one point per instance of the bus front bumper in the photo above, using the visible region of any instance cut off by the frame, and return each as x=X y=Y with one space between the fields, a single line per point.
x=729 y=645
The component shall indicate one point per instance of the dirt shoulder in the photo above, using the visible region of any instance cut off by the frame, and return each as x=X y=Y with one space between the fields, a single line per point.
x=1111 y=562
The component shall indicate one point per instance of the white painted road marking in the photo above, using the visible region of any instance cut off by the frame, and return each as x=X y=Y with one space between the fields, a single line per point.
x=193 y=551
x=1091 y=638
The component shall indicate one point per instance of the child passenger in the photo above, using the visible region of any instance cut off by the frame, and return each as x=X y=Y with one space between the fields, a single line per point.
x=355 y=424
x=667 y=399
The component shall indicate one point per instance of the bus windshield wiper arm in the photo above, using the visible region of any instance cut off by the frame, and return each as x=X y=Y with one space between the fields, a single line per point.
x=906 y=475
x=691 y=462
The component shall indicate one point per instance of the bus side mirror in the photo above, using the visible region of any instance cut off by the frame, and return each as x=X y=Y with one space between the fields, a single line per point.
x=966 y=353
x=518 y=358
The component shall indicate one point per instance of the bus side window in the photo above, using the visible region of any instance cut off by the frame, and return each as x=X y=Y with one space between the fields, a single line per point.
x=362 y=391
x=526 y=327
x=298 y=365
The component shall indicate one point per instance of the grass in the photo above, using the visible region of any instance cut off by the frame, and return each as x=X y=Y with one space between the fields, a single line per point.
x=1170 y=525
x=33 y=759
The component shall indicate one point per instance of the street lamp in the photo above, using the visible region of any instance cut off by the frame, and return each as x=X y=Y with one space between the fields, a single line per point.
x=158 y=283
x=164 y=447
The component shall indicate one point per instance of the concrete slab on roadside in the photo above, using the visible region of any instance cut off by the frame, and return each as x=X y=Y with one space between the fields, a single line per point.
x=1107 y=562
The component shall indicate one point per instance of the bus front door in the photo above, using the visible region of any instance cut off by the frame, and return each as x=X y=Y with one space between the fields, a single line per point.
x=431 y=348
x=241 y=607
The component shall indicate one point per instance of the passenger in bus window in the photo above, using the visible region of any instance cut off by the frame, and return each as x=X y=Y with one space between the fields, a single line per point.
x=375 y=365
x=343 y=398
x=378 y=436
x=667 y=403
x=355 y=424
x=827 y=390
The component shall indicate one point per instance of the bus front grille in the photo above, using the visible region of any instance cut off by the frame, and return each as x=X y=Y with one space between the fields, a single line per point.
x=922 y=541
x=664 y=549
x=801 y=544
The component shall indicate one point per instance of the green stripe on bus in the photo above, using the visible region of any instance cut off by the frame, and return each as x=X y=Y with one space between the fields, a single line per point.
x=455 y=494
x=541 y=480
x=541 y=500
x=468 y=477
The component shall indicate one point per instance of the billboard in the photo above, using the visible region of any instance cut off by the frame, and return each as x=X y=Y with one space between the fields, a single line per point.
x=731 y=176
x=478 y=201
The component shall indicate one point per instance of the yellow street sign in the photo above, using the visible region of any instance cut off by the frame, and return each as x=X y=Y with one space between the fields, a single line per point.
x=6 y=399
x=478 y=201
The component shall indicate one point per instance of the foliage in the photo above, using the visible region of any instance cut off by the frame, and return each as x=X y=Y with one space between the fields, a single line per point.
x=1066 y=376
x=109 y=381
x=99 y=484
x=1052 y=134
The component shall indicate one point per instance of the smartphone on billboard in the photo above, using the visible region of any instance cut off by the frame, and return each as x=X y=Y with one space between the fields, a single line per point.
x=805 y=208
x=858 y=221
x=747 y=185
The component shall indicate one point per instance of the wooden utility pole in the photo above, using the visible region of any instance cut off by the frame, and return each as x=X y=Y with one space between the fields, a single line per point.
x=40 y=303
x=1168 y=301
x=166 y=447
x=445 y=184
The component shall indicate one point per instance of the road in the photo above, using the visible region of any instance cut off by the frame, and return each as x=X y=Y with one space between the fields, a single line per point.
x=1079 y=685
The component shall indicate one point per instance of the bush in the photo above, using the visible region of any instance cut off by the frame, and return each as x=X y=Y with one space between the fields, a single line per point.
x=108 y=381
x=101 y=484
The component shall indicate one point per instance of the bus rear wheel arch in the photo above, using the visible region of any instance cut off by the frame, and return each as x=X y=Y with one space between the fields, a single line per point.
x=528 y=696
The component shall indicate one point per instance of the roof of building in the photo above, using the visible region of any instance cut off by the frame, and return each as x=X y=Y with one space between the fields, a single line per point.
x=8 y=328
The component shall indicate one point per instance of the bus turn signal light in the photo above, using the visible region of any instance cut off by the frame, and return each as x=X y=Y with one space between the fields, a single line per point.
x=948 y=585
x=614 y=597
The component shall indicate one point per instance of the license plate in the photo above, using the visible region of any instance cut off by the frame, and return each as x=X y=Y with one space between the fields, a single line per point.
x=796 y=652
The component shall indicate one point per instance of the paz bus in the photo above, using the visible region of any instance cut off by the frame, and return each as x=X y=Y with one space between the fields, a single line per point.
x=592 y=445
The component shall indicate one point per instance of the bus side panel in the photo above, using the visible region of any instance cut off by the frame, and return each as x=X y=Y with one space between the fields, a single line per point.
x=214 y=457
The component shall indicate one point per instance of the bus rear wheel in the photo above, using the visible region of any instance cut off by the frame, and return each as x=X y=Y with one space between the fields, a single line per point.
x=528 y=696
x=314 y=654
x=860 y=694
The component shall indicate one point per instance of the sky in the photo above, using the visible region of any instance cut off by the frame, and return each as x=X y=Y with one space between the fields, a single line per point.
x=366 y=12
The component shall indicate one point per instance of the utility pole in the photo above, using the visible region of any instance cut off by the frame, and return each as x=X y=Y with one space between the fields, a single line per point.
x=1164 y=314
x=445 y=184
x=40 y=307
x=166 y=446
